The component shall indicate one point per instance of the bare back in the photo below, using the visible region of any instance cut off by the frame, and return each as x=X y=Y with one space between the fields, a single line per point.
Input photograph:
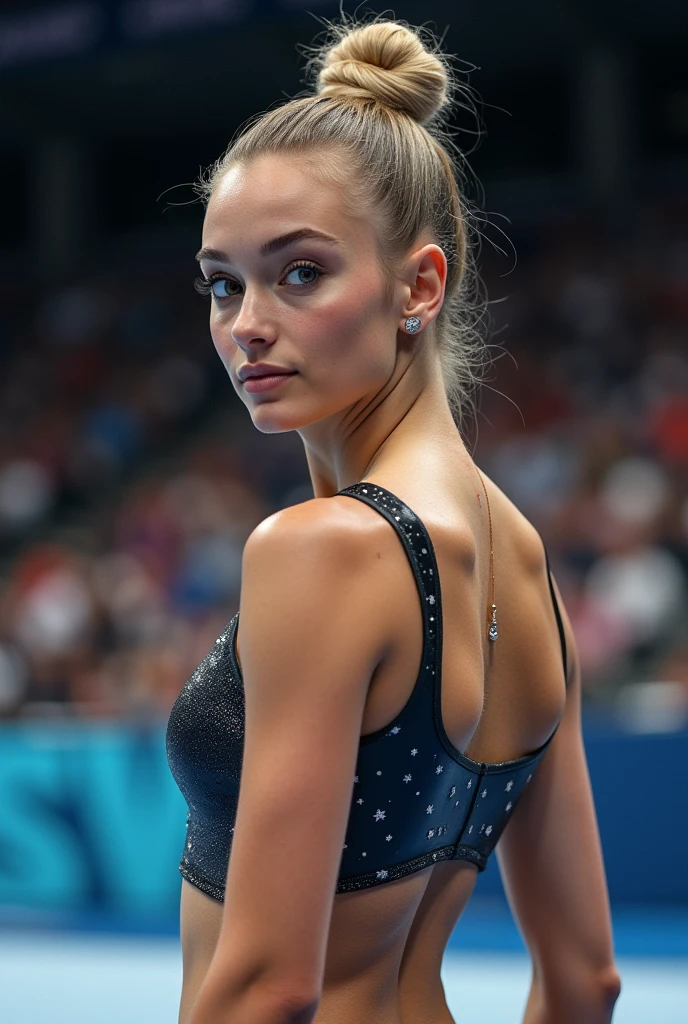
x=499 y=701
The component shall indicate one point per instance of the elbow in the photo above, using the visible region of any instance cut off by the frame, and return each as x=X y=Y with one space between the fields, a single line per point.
x=609 y=989
x=600 y=991
x=258 y=1001
x=587 y=994
x=288 y=999
x=294 y=1005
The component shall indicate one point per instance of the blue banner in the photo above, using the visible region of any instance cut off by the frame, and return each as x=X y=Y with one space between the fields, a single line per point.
x=92 y=819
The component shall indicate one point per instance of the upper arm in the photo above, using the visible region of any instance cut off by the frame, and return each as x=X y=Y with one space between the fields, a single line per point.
x=308 y=651
x=550 y=855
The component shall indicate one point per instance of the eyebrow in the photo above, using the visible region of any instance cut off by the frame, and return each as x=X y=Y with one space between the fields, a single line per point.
x=274 y=245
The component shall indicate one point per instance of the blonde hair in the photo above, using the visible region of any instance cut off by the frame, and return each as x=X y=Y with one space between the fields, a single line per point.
x=381 y=93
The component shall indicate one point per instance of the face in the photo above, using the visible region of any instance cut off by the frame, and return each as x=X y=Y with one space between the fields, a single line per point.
x=317 y=307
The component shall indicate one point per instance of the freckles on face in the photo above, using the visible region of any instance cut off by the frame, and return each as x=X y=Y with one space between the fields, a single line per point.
x=338 y=331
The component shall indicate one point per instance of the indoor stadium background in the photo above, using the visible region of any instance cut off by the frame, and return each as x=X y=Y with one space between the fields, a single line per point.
x=130 y=474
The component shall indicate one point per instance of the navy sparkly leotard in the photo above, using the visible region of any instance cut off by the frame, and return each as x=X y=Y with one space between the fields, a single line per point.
x=416 y=799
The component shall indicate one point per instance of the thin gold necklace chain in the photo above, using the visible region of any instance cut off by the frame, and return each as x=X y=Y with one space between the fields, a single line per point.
x=492 y=614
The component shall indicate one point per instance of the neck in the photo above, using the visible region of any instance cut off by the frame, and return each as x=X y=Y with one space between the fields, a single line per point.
x=410 y=418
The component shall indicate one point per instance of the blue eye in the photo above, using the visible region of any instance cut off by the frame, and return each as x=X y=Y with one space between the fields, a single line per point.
x=218 y=288
x=308 y=268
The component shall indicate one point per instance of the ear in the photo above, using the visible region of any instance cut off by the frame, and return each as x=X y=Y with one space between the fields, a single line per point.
x=426 y=280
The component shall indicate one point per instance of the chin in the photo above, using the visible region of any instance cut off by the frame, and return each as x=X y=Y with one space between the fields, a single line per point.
x=271 y=419
x=297 y=412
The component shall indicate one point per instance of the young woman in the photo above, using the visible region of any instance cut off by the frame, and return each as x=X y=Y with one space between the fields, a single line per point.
x=400 y=688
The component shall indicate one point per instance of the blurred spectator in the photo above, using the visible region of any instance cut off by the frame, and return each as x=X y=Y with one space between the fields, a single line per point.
x=121 y=439
x=26 y=495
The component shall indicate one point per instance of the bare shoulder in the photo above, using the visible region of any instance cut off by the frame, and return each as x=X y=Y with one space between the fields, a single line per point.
x=327 y=532
x=316 y=566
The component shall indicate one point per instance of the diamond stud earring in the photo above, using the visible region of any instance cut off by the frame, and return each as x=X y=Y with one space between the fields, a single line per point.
x=412 y=324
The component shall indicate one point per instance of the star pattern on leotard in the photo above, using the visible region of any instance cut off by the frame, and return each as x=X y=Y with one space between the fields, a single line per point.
x=441 y=781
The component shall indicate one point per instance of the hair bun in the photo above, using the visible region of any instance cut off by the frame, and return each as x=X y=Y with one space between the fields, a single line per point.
x=387 y=62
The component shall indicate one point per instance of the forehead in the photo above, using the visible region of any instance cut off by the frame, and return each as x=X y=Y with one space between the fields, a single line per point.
x=273 y=194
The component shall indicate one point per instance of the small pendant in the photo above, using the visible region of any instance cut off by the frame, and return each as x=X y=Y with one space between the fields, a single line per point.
x=492 y=633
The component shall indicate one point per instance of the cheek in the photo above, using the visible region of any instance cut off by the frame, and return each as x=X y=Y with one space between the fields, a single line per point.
x=351 y=334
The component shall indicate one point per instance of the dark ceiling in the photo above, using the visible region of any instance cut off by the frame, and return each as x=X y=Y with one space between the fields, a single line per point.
x=216 y=79
x=147 y=117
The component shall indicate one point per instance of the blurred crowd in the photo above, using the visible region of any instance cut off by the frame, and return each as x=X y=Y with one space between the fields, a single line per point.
x=116 y=415
x=585 y=427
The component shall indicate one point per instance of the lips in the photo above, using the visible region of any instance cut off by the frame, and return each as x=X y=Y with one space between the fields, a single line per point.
x=266 y=382
x=271 y=373
x=245 y=373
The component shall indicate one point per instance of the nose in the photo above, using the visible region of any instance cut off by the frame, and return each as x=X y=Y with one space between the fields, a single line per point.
x=252 y=327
